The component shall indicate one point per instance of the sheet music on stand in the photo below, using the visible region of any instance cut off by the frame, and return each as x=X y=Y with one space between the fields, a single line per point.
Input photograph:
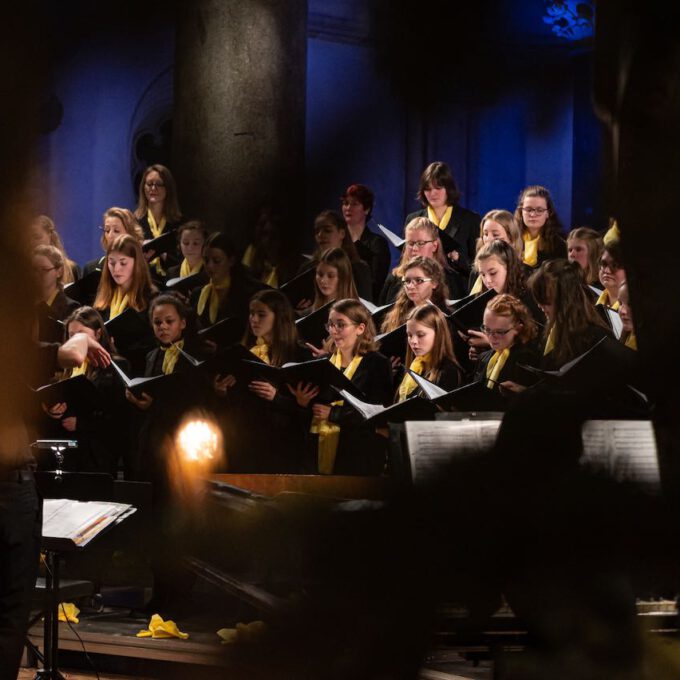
x=74 y=524
x=431 y=445
x=624 y=449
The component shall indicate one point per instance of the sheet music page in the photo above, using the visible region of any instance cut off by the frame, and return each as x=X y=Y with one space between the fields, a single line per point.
x=79 y=521
x=366 y=410
x=432 y=444
x=625 y=449
x=615 y=321
x=431 y=390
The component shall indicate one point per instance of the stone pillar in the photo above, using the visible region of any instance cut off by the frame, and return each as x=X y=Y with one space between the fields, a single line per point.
x=239 y=122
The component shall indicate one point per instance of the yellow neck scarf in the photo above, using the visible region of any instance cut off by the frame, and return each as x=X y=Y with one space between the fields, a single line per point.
x=550 y=342
x=329 y=433
x=269 y=275
x=495 y=366
x=211 y=292
x=170 y=356
x=119 y=303
x=261 y=350
x=52 y=298
x=156 y=231
x=604 y=300
x=446 y=217
x=80 y=370
x=530 y=255
x=478 y=287
x=186 y=270
x=631 y=341
x=408 y=384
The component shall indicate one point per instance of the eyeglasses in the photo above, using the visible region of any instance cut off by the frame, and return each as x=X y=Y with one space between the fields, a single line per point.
x=338 y=325
x=612 y=266
x=534 y=211
x=418 y=281
x=418 y=244
x=498 y=333
x=154 y=185
x=44 y=270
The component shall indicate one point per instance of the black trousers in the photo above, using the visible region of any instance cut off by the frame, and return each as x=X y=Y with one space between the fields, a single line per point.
x=20 y=529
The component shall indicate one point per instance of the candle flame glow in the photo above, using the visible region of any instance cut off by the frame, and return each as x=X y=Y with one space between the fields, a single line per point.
x=198 y=441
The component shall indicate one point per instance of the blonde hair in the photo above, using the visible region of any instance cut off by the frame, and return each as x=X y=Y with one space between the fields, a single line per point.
x=595 y=246
x=507 y=220
x=56 y=258
x=421 y=224
x=48 y=226
x=141 y=288
x=129 y=222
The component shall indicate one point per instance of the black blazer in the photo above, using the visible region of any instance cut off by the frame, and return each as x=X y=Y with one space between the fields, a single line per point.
x=236 y=304
x=545 y=254
x=375 y=251
x=90 y=266
x=528 y=354
x=463 y=227
x=450 y=377
x=61 y=308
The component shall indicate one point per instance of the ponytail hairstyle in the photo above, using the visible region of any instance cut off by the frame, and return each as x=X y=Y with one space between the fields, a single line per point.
x=337 y=258
x=356 y=313
x=560 y=283
x=552 y=229
x=511 y=307
x=56 y=258
x=421 y=224
x=403 y=305
x=48 y=226
x=92 y=319
x=506 y=254
x=432 y=317
x=438 y=174
x=129 y=222
x=141 y=289
x=594 y=244
x=171 y=210
x=285 y=339
x=507 y=220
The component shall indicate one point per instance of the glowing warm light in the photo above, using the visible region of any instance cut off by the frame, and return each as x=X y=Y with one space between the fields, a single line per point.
x=198 y=441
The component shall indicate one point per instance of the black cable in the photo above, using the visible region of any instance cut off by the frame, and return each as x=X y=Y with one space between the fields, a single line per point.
x=70 y=625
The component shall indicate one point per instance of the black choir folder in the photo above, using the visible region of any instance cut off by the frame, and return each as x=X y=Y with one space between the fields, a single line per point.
x=69 y=524
x=223 y=362
x=319 y=372
x=84 y=290
x=312 y=328
x=152 y=386
x=624 y=450
x=78 y=392
x=164 y=243
x=468 y=313
x=185 y=284
x=475 y=396
x=300 y=288
x=415 y=408
x=128 y=327
x=378 y=312
x=225 y=332
x=393 y=343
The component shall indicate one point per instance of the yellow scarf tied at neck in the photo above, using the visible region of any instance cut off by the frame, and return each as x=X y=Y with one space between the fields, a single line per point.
x=495 y=366
x=80 y=370
x=186 y=270
x=269 y=275
x=162 y=629
x=550 y=342
x=119 y=303
x=329 y=433
x=478 y=287
x=156 y=231
x=530 y=255
x=631 y=341
x=408 y=384
x=446 y=217
x=171 y=355
x=261 y=350
x=211 y=295
x=604 y=300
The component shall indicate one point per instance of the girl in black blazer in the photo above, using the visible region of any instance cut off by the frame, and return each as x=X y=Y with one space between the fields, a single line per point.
x=341 y=441
x=511 y=331
x=540 y=225
x=430 y=352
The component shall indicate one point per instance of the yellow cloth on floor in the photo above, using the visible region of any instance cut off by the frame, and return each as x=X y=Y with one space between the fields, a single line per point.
x=408 y=384
x=446 y=217
x=159 y=629
x=261 y=350
x=495 y=366
x=244 y=632
x=530 y=255
x=68 y=612
x=329 y=433
x=171 y=356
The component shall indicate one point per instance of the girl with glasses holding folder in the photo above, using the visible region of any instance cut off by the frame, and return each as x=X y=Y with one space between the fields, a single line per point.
x=342 y=443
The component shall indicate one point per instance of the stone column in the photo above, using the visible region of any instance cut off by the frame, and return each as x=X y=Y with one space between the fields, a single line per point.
x=239 y=122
